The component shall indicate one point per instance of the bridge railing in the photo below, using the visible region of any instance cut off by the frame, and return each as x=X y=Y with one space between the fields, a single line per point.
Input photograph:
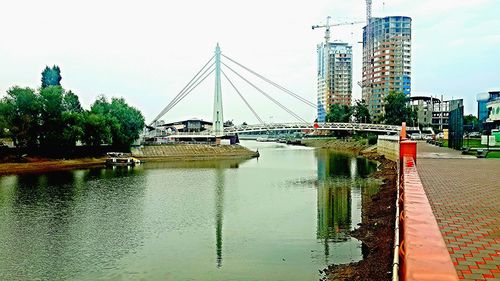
x=317 y=126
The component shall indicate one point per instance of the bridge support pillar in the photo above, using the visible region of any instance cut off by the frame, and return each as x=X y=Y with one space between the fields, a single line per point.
x=218 y=120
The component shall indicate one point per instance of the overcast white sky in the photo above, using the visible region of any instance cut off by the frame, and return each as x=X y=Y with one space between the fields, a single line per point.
x=146 y=51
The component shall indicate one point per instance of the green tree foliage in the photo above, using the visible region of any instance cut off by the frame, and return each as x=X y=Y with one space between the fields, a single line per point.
x=95 y=129
x=397 y=109
x=51 y=99
x=471 y=123
x=71 y=102
x=20 y=111
x=51 y=76
x=125 y=122
x=4 y=126
x=361 y=112
x=339 y=113
x=53 y=119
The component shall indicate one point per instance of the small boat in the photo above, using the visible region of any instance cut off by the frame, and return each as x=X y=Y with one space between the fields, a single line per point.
x=121 y=159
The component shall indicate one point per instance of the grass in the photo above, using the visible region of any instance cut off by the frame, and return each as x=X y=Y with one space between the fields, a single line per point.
x=493 y=154
x=471 y=143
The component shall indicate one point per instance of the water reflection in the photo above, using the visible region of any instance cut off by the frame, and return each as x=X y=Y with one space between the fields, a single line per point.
x=53 y=214
x=219 y=213
x=155 y=221
x=206 y=164
x=340 y=186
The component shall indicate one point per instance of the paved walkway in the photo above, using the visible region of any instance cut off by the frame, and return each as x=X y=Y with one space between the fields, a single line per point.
x=465 y=197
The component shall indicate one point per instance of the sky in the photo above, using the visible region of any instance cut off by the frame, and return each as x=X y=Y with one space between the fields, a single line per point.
x=147 y=51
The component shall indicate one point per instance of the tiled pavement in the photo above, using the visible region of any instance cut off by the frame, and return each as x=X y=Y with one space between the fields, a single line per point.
x=465 y=197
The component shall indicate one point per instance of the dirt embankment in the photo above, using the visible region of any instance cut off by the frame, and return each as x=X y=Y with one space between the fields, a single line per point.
x=40 y=165
x=376 y=230
x=16 y=165
x=192 y=152
x=347 y=145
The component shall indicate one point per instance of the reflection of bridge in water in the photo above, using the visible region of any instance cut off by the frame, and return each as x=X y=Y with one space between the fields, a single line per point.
x=218 y=130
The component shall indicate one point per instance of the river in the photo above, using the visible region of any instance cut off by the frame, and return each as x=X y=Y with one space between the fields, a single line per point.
x=283 y=216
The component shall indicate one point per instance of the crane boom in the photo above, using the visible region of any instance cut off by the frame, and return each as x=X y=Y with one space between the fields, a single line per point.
x=328 y=25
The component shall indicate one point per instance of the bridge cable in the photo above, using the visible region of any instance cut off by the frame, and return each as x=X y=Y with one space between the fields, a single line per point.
x=194 y=87
x=182 y=94
x=267 y=95
x=187 y=86
x=243 y=98
x=274 y=84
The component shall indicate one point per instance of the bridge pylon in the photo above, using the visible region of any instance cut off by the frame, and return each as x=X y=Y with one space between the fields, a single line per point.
x=218 y=120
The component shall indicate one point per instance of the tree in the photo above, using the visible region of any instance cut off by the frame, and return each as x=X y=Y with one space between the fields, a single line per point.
x=20 y=111
x=95 y=129
x=51 y=76
x=71 y=102
x=361 y=112
x=61 y=118
x=130 y=122
x=4 y=127
x=471 y=123
x=229 y=123
x=125 y=122
x=51 y=100
x=396 y=109
x=339 y=113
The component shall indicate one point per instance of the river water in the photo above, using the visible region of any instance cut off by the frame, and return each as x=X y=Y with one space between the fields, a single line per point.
x=283 y=216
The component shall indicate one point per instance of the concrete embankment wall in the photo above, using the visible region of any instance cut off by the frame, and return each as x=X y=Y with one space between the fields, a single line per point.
x=191 y=152
x=389 y=147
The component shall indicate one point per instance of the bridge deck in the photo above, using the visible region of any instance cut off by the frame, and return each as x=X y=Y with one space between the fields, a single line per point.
x=465 y=198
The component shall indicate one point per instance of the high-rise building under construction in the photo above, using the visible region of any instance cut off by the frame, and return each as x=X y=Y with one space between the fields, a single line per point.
x=334 y=76
x=386 y=60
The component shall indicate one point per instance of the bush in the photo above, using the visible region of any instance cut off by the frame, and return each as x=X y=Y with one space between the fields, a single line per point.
x=372 y=139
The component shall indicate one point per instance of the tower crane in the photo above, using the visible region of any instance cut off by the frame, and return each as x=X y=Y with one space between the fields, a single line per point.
x=328 y=25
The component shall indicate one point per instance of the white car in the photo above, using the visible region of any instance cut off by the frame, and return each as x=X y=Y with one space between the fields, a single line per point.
x=416 y=136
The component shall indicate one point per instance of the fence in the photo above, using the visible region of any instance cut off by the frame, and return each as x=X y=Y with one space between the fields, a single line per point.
x=420 y=253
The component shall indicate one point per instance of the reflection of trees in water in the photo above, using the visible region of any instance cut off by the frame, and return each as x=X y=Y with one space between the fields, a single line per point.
x=334 y=212
x=339 y=183
x=57 y=213
x=334 y=164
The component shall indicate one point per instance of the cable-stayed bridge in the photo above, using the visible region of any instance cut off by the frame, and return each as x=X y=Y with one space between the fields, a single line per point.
x=220 y=64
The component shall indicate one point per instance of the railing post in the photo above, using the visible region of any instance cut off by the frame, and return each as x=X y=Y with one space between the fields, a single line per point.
x=407 y=147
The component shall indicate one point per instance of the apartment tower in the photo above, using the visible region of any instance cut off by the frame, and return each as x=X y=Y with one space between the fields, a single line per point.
x=386 y=61
x=334 y=76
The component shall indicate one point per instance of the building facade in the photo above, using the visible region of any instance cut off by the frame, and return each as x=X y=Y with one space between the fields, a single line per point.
x=334 y=76
x=433 y=111
x=494 y=112
x=483 y=99
x=386 y=61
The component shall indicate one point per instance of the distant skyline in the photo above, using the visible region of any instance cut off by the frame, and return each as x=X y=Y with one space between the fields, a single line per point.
x=147 y=51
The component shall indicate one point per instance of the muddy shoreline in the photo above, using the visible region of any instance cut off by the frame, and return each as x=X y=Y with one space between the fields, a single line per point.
x=340 y=145
x=35 y=164
x=376 y=230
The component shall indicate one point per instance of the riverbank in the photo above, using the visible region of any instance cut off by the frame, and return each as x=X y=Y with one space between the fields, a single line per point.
x=376 y=230
x=164 y=153
x=341 y=145
x=41 y=165
x=192 y=152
